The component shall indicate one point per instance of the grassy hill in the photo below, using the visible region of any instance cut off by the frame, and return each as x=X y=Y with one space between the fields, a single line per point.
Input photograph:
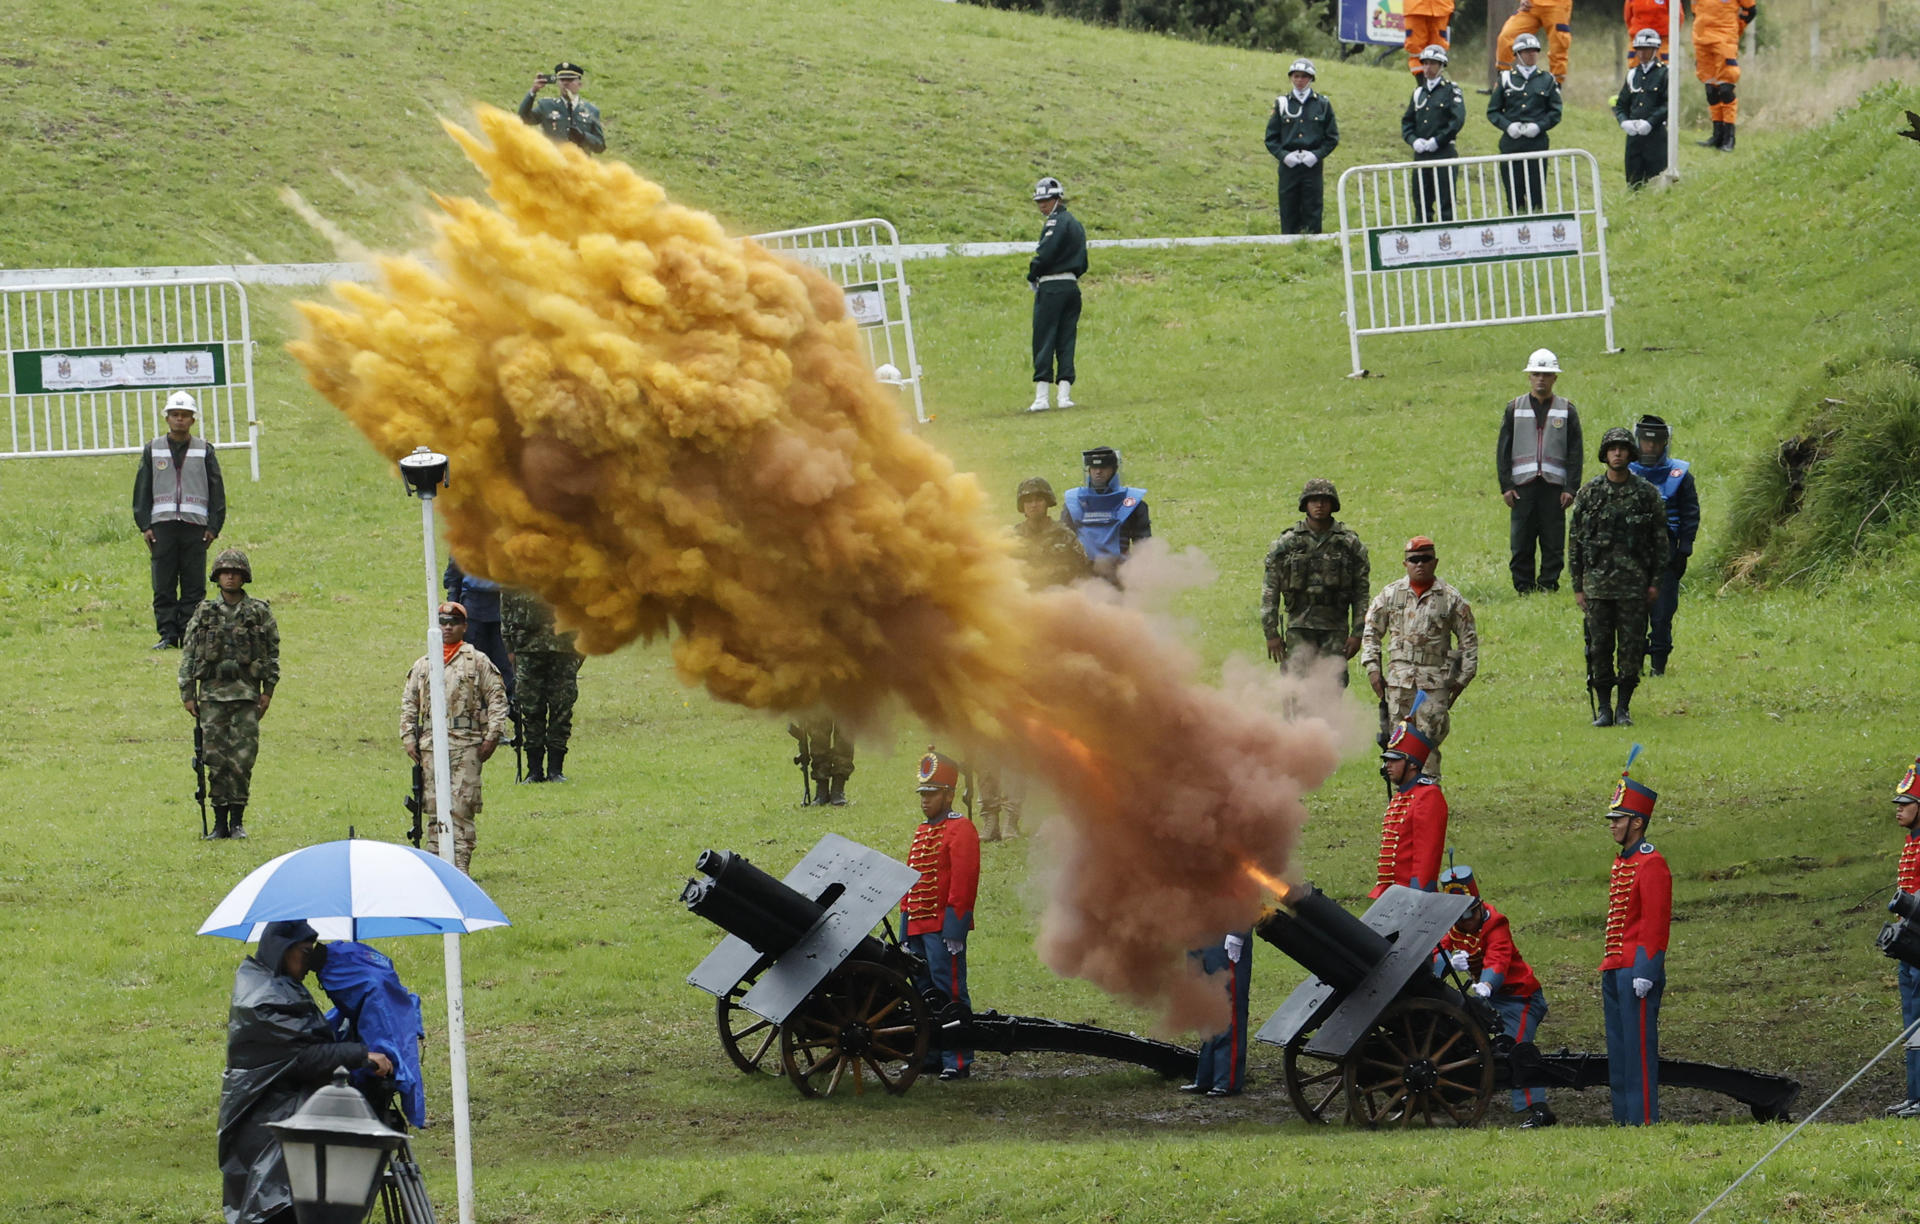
x=599 y=1092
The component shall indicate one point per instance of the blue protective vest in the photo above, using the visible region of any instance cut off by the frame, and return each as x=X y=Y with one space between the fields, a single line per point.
x=1097 y=517
x=1666 y=477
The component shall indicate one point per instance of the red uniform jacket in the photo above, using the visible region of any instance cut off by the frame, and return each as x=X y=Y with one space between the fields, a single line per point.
x=946 y=853
x=1412 y=834
x=1492 y=957
x=1639 y=911
x=1908 y=878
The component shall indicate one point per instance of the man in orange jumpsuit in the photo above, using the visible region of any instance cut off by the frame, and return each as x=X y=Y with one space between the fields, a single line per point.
x=1552 y=19
x=937 y=912
x=1650 y=15
x=1428 y=23
x=1717 y=27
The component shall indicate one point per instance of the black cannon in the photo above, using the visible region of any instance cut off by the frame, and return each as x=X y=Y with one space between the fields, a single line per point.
x=1375 y=1037
x=801 y=969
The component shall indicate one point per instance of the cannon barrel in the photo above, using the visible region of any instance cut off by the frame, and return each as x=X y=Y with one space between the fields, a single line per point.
x=1319 y=934
x=766 y=913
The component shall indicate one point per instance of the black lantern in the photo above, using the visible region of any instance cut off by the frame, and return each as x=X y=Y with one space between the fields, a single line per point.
x=336 y=1152
x=425 y=471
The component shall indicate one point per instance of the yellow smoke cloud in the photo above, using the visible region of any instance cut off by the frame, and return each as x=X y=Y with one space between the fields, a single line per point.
x=665 y=430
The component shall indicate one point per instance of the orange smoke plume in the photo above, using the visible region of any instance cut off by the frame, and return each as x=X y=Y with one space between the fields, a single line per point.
x=665 y=430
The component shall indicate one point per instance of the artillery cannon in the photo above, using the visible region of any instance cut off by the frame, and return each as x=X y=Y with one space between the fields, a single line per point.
x=1375 y=1037
x=800 y=968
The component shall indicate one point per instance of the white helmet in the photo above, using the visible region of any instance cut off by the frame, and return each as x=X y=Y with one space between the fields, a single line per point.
x=1048 y=188
x=1303 y=65
x=1434 y=53
x=1526 y=42
x=1543 y=362
x=887 y=372
x=180 y=401
x=1647 y=38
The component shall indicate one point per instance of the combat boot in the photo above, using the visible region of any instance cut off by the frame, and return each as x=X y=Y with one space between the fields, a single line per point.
x=235 y=813
x=1657 y=664
x=1713 y=141
x=1620 y=716
x=1604 y=698
x=219 y=823
x=556 y=758
x=1537 y=1117
x=837 y=795
x=537 y=765
x=1726 y=140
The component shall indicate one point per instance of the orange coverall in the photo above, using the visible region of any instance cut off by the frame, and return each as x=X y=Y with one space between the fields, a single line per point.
x=1648 y=15
x=1427 y=24
x=1716 y=54
x=1552 y=20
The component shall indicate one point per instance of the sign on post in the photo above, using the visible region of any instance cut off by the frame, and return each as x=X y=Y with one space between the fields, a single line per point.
x=89 y=367
x=863 y=258
x=1473 y=242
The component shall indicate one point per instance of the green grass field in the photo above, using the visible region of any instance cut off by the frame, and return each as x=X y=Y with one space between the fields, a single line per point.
x=599 y=1091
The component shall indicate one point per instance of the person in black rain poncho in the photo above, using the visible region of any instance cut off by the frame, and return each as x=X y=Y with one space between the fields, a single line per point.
x=279 y=1049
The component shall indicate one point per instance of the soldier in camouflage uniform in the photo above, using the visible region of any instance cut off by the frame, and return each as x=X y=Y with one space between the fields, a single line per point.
x=1049 y=550
x=476 y=723
x=229 y=665
x=1424 y=617
x=1318 y=571
x=827 y=753
x=1619 y=547
x=547 y=667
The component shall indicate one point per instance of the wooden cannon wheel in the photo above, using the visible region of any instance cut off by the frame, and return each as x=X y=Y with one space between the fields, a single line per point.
x=1425 y=1060
x=864 y=1022
x=1317 y=1086
x=745 y=1037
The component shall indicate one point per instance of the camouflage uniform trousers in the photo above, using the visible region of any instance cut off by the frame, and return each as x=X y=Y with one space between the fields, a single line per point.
x=546 y=686
x=1616 y=639
x=1002 y=794
x=1434 y=720
x=831 y=750
x=230 y=742
x=463 y=778
x=1306 y=645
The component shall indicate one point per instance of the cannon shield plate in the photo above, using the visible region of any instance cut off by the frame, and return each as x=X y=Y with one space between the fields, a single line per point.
x=1413 y=921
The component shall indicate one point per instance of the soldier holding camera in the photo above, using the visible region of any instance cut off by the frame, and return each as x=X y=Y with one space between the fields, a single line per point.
x=1906 y=814
x=568 y=119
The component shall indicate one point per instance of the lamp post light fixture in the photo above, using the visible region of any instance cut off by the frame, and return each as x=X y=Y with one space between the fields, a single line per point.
x=336 y=1153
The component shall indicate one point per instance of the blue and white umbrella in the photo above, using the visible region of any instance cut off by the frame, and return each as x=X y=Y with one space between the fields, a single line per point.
x=356 y=889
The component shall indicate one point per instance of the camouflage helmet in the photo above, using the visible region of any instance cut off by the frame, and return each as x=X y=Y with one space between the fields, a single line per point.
x=1318 y=487
x=1617 y=437
x=233 y=559
x=1034 y=486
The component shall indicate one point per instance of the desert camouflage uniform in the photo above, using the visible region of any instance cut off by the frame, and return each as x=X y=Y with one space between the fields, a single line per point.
x=476 y=711
x=1617 y=548
x=230 y=655
x=1321 y=579
x=1051 y=553
x=1423 y=628
x=547 y=669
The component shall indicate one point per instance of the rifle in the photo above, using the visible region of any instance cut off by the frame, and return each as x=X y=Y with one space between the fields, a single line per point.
x=1381 y=738
x=200 y=772
x=416 y=800
x=804 y=759
x=513 y=716
x=1586 y=635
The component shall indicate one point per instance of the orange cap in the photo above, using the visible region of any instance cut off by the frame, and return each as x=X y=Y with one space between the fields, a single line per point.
x=1421 y=544
x=452 y=609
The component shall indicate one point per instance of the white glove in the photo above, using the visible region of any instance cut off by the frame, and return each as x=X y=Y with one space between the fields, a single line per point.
x=1461 y=962
x=1426 y=144
x=1641 y=986
x=1628 y=125
x=1481 y=990
x=1516 y=130
x=1533 y=129
x=1645 y=127
x=954 y=946
x=1236 y=948
x=1291 y=159
x=1309 y=159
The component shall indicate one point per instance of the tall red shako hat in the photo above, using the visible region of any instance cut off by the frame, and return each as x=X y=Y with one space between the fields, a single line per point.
x=1405 y=741
x=938 y=772
x=1909 y=789
x=1631 y=797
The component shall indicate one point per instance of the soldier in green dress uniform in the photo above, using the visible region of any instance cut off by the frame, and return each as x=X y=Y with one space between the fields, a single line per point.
x=1301 y=135
x=1433 y=119
x=1525 y=105
x=569 y=118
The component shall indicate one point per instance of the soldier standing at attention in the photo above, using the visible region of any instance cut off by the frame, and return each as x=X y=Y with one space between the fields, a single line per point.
x=1318 y=571
x=1641 y=108
x=1633 y=970
x=548 y=670
x=827 y=753
x=1109 y=517
x=1537 y=460
x=476 y=723
x=1221 y=1070
x=568 y=119
x=1619 y=550
x=1906 y=814
x=1414 y=829
x=1481 y=947
x=1433 y=119
x=1301 y=135
x=179 y=506
x=937 y=912
x=1424 y=617
x=1674 y=480
x=229 y=665
x=1059 y=261
x=1525 y=105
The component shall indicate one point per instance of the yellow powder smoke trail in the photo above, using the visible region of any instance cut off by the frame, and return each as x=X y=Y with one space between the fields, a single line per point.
x=665 y=430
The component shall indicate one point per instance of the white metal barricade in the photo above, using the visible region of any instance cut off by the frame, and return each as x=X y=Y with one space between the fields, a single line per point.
x=89 y=367
x=863 y=258
x=1473 y=242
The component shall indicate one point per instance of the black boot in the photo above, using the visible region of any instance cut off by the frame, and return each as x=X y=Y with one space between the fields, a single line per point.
x=1657 y=664
x=1604 y=697
x=219 y=822
x=1713 y=141
x=537 y=765
x=838 y=795
x=234 y=815
x=556 y=757
x=1726 y=139
x=1620 y=716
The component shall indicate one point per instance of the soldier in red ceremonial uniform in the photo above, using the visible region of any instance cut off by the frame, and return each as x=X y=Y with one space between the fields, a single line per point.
x=938 y=910
x=1481 y=947
x=1633 y=972
x=1906 y=813
x=1414 y=829
x=1222 y=1068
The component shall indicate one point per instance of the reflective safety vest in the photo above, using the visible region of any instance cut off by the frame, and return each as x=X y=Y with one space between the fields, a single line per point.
x=180 y=491
x=1539 y=449
x=1097 y=517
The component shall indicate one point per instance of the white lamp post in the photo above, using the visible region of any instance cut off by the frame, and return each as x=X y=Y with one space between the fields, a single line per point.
x=336 y=1152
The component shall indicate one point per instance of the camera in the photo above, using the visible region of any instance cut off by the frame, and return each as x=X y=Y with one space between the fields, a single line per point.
x=545 y=78
x=1901 y=940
